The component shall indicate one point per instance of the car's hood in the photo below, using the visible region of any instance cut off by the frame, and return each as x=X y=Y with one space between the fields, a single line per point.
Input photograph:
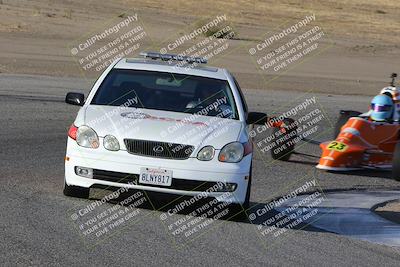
x=164 y=126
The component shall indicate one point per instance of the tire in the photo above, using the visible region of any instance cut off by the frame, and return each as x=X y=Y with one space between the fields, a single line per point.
x=345 y=115
x=288 y=151
x=246 y=203
x=76 y=191
x=238 y=211
x=396 y=163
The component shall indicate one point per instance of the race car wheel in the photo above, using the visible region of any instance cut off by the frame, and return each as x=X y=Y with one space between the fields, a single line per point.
x=344 y=116
x=396 y=163
x=76 y=191
x=283 y=151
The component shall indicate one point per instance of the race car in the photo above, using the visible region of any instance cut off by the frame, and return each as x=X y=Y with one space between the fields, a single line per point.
x=163 y=123
x=369 y=140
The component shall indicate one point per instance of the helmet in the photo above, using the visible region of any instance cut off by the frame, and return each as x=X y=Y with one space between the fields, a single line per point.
x=381 y=108
x=393 y=92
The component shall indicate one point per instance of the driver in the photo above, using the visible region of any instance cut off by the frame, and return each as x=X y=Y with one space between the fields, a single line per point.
x=394 y=93
x=381 y=108
x=203 y=96
x=207 y=96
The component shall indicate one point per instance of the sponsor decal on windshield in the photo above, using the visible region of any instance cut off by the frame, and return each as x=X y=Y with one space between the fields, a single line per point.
x=139 y=115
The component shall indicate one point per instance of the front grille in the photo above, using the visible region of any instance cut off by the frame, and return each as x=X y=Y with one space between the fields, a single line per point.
x=158 y=149
x=177 y=184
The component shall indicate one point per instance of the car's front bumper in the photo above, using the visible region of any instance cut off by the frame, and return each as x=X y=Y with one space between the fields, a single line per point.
x=183 y=170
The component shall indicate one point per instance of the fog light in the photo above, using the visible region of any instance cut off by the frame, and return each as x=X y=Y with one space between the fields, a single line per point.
x=227 y=187
x=84 y=172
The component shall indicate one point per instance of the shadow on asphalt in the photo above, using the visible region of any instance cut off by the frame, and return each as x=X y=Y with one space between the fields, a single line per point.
x=369 y=173
x=167 y=202
x=348 y=213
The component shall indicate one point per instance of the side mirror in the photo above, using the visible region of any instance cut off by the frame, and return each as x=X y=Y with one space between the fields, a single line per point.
x=76 y=99
x=256 y=118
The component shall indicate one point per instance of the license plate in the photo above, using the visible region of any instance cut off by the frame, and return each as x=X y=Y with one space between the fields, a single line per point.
x=155 y=176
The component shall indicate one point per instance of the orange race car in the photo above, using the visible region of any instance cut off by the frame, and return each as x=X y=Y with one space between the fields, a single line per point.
x=369 y=140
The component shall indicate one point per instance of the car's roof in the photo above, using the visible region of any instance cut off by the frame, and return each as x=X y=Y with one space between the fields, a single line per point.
x=172 y=67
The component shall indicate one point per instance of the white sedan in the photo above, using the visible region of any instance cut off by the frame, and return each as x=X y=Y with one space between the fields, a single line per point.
x=162 y=123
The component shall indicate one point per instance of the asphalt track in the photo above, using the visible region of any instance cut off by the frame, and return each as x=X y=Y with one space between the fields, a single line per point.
x=36 y=220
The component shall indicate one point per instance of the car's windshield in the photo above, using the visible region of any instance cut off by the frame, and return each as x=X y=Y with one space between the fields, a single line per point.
x=167 y=91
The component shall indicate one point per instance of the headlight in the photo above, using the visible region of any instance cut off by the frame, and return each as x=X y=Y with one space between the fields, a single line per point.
x=206 y=153
x=232 y=152
x=87 y=137
x=110 y=142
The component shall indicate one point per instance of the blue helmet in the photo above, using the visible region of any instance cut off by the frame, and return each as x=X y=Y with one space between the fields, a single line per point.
x=381 y=108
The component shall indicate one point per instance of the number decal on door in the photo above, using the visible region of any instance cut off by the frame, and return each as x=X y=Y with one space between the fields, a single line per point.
x=338 y=146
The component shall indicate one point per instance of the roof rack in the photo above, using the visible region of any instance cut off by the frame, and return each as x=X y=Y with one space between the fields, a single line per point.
x=167 y=57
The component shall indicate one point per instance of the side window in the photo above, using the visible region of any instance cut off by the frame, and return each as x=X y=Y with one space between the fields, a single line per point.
x=244 y=104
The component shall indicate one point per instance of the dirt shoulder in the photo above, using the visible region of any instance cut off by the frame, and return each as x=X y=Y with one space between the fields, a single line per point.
x=358 y=51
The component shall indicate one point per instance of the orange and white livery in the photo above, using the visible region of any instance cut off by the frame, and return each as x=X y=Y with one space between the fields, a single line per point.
x=361 y=144
x=364 y=142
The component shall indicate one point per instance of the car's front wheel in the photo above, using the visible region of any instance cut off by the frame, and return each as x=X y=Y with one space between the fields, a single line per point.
x=396 y=163
x=246 y=202
x=238 y=211
x=75 y=191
